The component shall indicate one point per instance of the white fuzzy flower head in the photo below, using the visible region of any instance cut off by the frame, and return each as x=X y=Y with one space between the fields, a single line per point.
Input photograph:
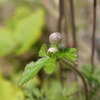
x=52 y=50
x=55 y=38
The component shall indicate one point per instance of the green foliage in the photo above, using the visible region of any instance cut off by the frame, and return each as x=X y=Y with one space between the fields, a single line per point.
x=43 y=51
x=18 y=15
x=48 y=62
x=54 y=91
x=7 y=43
x=28 y=31
x=22 y=31
x=8 y=91
x=92 y=78
x=72 y=88
x=51 y=90
x=32 y=69
x=50 y=65
x=69 y=54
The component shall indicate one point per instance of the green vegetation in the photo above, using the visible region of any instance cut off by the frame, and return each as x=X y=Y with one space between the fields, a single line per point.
x=35 y=66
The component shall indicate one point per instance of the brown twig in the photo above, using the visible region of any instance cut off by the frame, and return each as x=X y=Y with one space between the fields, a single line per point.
x=73 y=22
x=61 y=14
x=66 y=40
x=62 y=22
x=93 y=34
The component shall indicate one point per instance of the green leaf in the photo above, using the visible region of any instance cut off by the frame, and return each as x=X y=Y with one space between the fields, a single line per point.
x=28 y=31
x=19 y=14
x=32 y=69
x=69 y=53
x=7 y=43
x=91 y=77
x=50 y=65
x=43 y=51
x=8 y=91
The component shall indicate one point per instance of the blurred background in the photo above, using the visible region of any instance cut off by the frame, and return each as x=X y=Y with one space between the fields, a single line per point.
x=24 y=26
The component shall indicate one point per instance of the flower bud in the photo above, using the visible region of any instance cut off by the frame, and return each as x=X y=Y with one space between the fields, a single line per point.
x=52 y=50
x=55 y=38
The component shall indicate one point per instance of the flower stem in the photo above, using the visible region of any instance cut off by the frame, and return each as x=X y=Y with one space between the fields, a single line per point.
x=71 y=2
x=81 y=76
x=93 y=34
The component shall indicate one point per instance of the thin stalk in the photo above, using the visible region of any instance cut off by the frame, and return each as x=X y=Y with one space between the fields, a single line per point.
x=60 y=72
x=73 y=22
x=66 y=40
x=65 y=24
x=80 y=75
x=61 y=14
x=93 y=34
